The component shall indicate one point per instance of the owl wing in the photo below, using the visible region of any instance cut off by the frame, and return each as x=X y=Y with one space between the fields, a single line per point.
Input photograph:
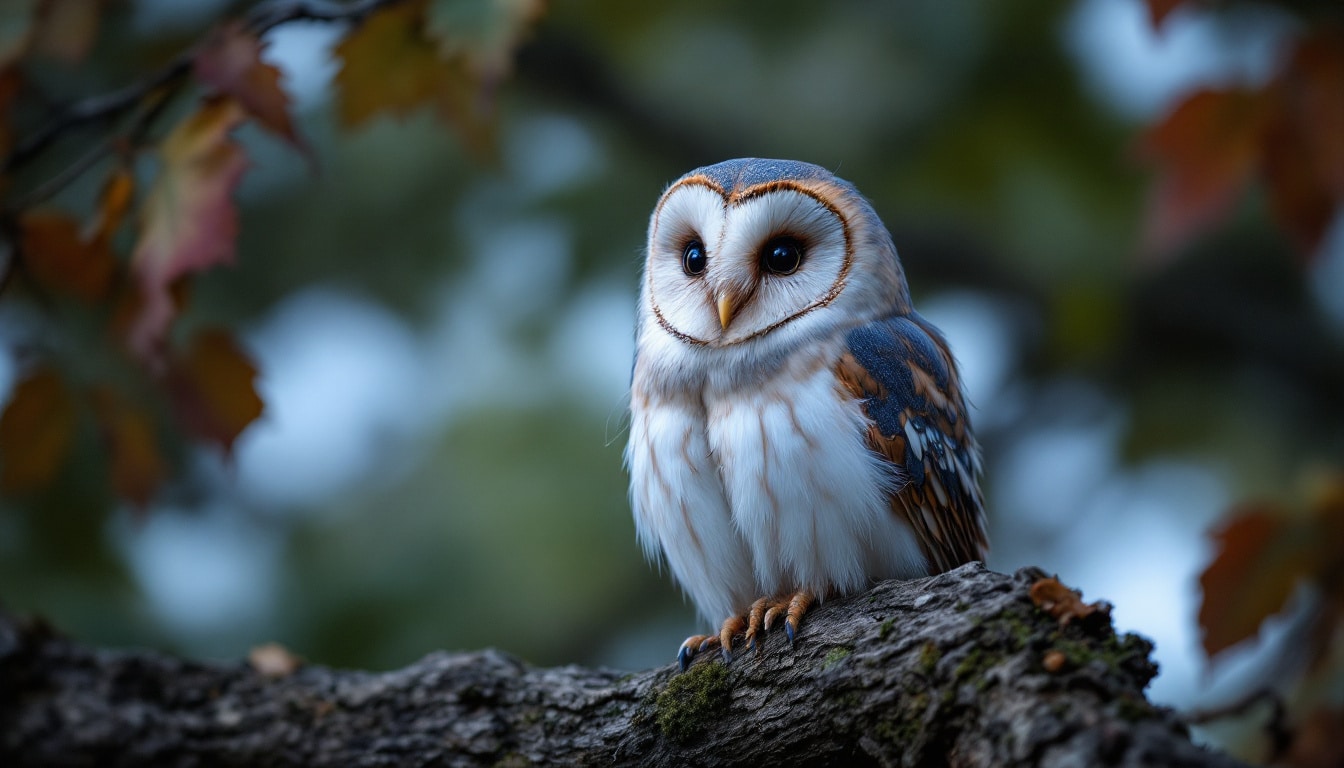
x=903 y=372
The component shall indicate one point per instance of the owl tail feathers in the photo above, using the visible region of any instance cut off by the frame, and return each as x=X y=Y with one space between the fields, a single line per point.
x=760 y=617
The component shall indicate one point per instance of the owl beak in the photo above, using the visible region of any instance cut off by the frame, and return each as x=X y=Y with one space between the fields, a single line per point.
x=726 y=310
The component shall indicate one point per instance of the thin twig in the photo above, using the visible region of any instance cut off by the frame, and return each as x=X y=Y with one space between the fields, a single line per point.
x=1275 y=727
x=106 y=107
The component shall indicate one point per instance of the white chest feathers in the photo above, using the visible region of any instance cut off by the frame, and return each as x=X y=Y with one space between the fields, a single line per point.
x=765 y=490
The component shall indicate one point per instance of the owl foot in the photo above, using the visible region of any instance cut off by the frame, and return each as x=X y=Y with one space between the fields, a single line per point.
x=760 y=617
x=733 y=625
x=765 y=611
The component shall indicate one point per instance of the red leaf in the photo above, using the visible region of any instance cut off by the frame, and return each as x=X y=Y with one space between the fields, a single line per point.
x=1304 y=146
x=1158 y=10
x=212 y=386
x=1206 y=151
x=61 y=260
x=189 y=221
x=1261 y=556
x=231 y=64
x=35 y=432
x=137 y=467
x=10 y=84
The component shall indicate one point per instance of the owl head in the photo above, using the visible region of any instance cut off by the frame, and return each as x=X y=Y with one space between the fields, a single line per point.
x=754 y=256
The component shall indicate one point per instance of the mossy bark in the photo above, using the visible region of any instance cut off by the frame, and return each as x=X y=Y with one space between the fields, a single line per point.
x=949 y=670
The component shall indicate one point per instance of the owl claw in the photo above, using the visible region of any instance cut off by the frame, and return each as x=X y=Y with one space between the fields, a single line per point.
x=692 y=646
x=758 y=620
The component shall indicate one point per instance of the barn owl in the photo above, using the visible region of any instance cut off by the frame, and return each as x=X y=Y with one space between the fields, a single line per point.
x=797 y=431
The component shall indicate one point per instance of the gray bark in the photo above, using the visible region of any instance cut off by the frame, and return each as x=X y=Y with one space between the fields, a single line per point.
x=949 y=670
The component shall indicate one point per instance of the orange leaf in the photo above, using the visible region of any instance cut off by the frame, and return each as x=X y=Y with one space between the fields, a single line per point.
x=1207 y=151
x=1261 y=556
x=231 y=64
x=61 y=260
x=213 y=390
x=1066 y=605
x=388 y=64
x=35 y=432
x=66 y=29
x=189 y=220
x=113 y=204
x=137 y=466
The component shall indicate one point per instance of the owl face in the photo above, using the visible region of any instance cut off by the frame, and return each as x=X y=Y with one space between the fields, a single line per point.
x=765 y=253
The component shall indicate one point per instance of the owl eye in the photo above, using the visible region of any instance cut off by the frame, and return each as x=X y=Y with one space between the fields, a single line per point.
x=693 y=259
x=782 y=255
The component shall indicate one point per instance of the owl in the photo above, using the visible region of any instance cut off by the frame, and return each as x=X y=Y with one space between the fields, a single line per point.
x=797 y=431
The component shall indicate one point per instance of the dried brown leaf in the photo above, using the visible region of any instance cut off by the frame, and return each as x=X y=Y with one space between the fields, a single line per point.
x=1065 y=604
x=60 y=259
x=36 y=431
x=213 y=388
x=1261 y=555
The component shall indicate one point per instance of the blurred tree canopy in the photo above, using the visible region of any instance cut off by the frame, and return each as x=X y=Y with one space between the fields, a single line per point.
x=421 y=241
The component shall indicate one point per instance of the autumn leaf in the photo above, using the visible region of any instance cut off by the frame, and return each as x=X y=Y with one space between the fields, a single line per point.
x=58 y=257
x=1159 y=10
x=1064 y=604
x=189 y=222
x=1304 y=143
x=1285 y=134
x=388 y=64
x=1207 y=151
x=1262 y=554
x=114 y=202
x=484 y=32
x=230 y=63
x=212 y=387
x=137 y=468
x=36 y=430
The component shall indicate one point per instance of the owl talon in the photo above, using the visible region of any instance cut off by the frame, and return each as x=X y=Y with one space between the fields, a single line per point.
x=798 y=605
x=693 y=646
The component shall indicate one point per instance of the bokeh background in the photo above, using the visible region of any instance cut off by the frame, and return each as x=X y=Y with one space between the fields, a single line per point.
x=444 y=340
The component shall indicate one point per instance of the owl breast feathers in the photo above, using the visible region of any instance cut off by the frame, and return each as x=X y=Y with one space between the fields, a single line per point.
x=796 y=428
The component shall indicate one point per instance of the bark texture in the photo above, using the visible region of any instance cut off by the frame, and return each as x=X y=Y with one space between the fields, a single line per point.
x=953 y=670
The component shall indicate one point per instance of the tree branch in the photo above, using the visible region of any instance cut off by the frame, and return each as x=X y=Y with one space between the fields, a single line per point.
x=949 y=670
x=106 y=107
